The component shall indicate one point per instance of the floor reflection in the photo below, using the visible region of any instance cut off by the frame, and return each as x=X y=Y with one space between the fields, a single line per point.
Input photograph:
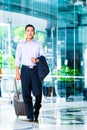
x=23 y=124
x=72 y=116
x=53 y=113
x=68 y=116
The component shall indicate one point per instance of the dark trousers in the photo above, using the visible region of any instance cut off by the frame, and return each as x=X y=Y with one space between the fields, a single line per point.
x=31 y=84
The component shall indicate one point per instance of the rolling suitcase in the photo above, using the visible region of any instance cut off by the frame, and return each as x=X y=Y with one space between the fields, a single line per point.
x=18 y=102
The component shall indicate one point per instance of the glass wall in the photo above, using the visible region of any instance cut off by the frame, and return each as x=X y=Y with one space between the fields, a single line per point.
x=71 y=45
x=61 y=28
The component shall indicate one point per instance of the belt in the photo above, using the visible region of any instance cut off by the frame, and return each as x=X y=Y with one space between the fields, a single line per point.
x=29 y=67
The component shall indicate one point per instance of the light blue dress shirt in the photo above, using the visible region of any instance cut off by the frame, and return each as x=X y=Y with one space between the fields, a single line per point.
x=25 y=50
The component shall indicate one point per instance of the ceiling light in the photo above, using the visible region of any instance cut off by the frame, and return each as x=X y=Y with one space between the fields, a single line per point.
x=78 y=3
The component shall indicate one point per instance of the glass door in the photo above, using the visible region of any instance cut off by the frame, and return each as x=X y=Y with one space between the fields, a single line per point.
x=70 y=68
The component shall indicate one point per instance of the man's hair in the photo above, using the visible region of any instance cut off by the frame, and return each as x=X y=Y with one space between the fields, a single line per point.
x=29 y=25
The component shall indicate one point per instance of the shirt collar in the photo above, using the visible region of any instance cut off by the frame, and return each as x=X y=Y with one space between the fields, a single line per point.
x=25 y=41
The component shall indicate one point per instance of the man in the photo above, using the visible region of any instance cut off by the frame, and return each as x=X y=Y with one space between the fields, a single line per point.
x=27 y=54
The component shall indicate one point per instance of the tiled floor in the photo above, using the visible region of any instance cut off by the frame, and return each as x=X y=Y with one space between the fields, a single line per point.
x=55 y=114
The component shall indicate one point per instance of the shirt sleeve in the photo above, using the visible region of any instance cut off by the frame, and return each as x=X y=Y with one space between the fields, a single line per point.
x=18 y=55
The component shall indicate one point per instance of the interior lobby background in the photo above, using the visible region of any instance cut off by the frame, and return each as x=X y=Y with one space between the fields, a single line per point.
x=61 y=28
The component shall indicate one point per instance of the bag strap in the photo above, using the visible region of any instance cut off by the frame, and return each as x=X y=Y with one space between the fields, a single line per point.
x=15 y=84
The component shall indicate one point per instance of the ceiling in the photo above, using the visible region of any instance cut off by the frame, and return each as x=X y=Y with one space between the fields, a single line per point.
x=56 y=10
x=38 y=8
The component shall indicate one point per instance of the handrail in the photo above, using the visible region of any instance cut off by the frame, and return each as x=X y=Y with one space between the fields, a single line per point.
x=49 y=76
x=53 y=76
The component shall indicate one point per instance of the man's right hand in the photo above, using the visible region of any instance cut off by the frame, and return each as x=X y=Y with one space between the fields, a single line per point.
x=18 y=76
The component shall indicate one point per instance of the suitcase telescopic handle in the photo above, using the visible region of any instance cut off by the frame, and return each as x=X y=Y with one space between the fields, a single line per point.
x=15 y=84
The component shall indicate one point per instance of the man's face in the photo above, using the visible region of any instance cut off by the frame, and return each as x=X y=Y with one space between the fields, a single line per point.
x=29 y=33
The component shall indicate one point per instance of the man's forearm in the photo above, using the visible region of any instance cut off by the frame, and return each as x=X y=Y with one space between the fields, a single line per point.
x=17 y=73
x=17 y=69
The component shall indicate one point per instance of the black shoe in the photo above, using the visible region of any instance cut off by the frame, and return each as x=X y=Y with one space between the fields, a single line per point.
x=36 y=119
x=30 y=120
